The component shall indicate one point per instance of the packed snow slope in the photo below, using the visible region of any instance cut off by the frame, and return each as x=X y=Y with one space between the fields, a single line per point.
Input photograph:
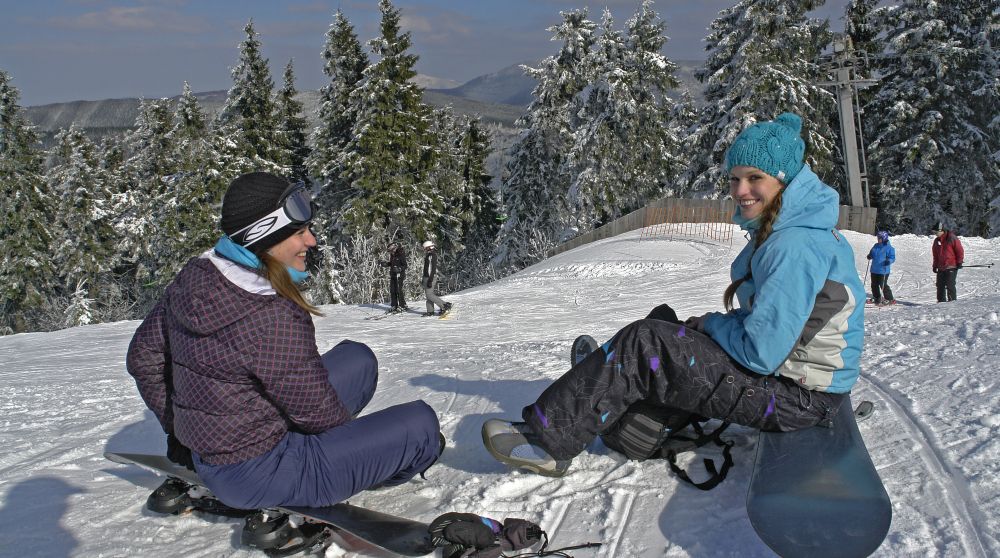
x=930 y=368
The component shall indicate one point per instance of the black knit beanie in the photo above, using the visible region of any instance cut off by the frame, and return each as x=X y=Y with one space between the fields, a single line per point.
x=250 y=197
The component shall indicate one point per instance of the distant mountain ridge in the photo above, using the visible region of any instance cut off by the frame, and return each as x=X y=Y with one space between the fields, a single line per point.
x=500 y=97
x=512 y=86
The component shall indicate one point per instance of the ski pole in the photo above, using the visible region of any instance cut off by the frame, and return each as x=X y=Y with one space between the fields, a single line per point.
x=978 y=265
x=866 y=274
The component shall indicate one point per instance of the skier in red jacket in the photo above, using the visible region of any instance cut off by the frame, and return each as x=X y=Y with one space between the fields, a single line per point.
x=948 y=257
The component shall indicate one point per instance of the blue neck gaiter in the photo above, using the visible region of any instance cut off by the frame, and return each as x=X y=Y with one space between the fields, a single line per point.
x=233 y=252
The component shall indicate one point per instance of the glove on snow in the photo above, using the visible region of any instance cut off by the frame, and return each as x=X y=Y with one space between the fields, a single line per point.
x=467 y=535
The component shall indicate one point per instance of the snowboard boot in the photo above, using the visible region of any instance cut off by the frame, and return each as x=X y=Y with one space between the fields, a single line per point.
x=514 y=444
x=445 y=309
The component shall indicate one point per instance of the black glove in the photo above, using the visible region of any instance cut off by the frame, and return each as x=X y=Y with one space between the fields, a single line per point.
x=468 y=535
x=887 y=261
x=665 y=313
x=869 y=256
x=959 y=266
x=178 y=452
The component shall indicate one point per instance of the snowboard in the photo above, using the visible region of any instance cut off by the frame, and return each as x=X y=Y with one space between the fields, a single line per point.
x=447 y=315
x=383 y=531
x=815 y=492
x=582 y=346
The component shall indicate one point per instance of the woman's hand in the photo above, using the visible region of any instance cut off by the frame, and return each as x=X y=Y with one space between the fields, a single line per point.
x=696 y=323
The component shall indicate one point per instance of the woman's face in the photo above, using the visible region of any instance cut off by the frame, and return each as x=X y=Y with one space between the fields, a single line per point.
x=752 y=189
x=292 y=250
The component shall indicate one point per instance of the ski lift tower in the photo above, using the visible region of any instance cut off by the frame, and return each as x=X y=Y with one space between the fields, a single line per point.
x=844 y=68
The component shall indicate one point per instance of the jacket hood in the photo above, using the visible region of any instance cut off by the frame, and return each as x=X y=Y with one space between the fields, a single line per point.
x=806 y=202
x=204 y=301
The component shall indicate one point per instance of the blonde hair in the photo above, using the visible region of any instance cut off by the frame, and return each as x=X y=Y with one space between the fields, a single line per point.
x=767 y=218
x=275 y=272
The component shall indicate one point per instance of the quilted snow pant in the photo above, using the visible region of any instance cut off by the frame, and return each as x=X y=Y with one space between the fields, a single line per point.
x=387 y=447
x=664 y=363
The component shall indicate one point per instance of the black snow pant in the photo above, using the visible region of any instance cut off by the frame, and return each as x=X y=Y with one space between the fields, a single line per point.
x=667 y=364
x=396 y=298
x=880 y=288
x=946 y=291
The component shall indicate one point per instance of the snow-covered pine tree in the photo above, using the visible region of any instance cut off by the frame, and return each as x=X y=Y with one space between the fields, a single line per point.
x=292 y=128
x=27 y=277
x=247 y=122
x=761 y=63
x=345 y=63
x=387 y=158
x=439 y=211
x=934 y=153
x=537 y=182
x=83 y=249
x=196 y=189
x=478 y=208
x=143 y=209
x=623 y=151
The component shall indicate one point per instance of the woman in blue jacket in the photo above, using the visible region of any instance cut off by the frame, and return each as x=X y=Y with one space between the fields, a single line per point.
x=882 y=256
x=781 y=360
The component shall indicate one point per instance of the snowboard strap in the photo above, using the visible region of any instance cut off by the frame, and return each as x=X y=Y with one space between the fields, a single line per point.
x=680 y=444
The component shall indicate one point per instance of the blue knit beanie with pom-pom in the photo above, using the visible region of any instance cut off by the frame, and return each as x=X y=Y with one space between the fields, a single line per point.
x=774 y=147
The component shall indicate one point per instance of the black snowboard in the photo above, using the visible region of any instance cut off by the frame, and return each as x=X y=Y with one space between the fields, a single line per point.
x=816 y=493
x=388 y=532
x=582 y=346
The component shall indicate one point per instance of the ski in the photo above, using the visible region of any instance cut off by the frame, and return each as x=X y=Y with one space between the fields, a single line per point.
x=353 y=524
x=815 y=492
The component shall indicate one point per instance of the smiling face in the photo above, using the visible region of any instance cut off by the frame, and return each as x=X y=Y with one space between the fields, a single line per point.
x=752 y=189
x=292 y=250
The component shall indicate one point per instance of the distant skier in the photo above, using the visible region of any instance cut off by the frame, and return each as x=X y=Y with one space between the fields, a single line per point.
x=397 y=276
x=781 y=361
x=227 y=361
x=429 y=276
x=948 y=258
x=882 y=256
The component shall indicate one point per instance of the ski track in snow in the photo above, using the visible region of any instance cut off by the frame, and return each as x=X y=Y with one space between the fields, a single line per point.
x=65 y=398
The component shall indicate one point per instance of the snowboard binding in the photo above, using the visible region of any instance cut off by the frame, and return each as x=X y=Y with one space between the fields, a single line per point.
x=278 y=534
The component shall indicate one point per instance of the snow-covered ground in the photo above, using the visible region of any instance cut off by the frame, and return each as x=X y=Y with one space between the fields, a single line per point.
x=930 y=369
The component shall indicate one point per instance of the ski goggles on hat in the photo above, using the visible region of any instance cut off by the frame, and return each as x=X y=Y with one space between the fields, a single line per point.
x=295 y=208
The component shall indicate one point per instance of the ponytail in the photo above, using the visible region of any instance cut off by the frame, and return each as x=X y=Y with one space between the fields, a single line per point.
x=275 y=272
x=767 y=219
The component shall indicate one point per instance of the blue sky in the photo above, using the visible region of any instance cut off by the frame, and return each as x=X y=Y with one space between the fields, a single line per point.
x=64 y=50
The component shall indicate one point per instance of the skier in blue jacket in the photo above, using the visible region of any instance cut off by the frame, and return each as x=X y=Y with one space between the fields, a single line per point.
x=882 y=256
x=780 y=361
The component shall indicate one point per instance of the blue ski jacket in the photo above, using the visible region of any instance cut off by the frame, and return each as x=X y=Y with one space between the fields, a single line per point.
x=801 y=314
x=882 y=255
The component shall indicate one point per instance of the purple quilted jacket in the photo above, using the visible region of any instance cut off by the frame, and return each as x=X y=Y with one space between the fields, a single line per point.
x=230 y=372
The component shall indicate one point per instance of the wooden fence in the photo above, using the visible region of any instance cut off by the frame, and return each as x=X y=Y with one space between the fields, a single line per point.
x=709 y=219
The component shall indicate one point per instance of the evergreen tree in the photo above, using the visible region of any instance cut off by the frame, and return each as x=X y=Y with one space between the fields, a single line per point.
x=345 y=66
x=27 y=277
x=195 y=194
x=83 y=250
x=623 y=150
x=934 y=153
x=145 y=206
x=292 y=128
x=537 y=178
x=760 y=64
x=248 y=121
x=387 y=159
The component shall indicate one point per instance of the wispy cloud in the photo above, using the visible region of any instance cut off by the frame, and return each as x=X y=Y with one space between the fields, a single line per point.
x=133 y=18
x=309 y=7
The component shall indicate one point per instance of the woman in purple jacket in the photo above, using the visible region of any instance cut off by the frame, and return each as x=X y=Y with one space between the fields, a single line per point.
x=227 y=360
